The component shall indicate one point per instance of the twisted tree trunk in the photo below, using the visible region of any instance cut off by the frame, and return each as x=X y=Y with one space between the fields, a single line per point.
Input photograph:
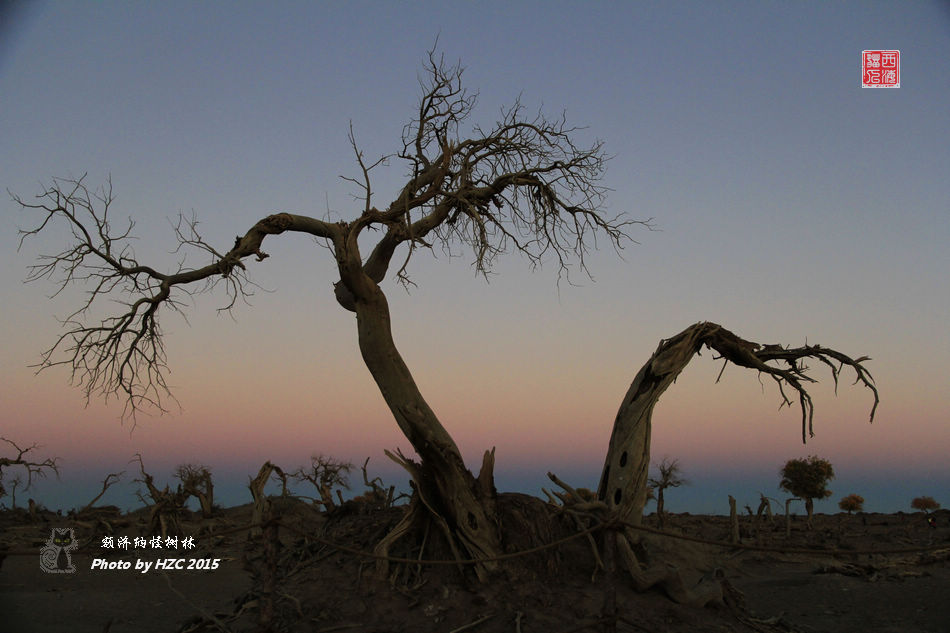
x=463 y=505
x=623 y=482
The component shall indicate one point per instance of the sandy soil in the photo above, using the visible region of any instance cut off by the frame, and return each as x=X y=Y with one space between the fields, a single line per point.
x=323 y=589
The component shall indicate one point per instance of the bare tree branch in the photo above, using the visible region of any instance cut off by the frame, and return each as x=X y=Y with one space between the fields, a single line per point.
x=33 y=469
x=111 y=479
x=123 y=354
x=523 y=185
x=755 y=356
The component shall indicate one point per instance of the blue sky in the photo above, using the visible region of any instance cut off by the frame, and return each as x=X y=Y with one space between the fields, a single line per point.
x=790 y=206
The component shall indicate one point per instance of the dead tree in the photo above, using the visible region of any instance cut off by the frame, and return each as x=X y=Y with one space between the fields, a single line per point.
x=378 y=495
x=166 y=506
x=196 y=482
x=523 y=184
x=733 y=521
x=32 y=468
x=283 y=478
x=624 y=479
x=15 y=483
x=765 y=507
x=669 y=475
x=111 y=478
x=325 y=473
x=262 y=505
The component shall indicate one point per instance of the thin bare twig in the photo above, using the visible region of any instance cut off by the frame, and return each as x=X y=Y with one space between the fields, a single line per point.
x=472 y=625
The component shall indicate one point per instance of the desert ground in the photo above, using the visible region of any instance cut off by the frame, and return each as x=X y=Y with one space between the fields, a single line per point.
x=318 y=587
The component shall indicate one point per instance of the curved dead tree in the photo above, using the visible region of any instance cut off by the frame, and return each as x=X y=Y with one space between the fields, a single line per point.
x=623 y=483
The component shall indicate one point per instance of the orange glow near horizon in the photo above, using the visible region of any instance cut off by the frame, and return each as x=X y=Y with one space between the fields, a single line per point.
x=732 y=423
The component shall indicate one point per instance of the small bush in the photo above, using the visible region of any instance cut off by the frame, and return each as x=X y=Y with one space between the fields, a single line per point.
x=852 y=503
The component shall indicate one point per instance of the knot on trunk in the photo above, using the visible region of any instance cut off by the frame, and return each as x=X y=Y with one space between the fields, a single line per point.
x=277 y=223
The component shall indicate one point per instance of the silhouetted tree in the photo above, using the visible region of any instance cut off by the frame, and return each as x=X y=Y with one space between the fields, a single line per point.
x=166 y=505
x=851 y=503
x=807 y=478
x=32 y=468
x=15 y=483
x=669 y=475
x=924 y=504
x=523 y=184
x=196 y=482
x=378 y=494
x=110 y=480
x=325 y=473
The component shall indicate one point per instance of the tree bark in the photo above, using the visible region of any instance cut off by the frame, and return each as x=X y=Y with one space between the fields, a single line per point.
x=445 y=486
x=788 y=516
x=206 y=498
x=766 y=507
x=623 y=483
x=261 y=508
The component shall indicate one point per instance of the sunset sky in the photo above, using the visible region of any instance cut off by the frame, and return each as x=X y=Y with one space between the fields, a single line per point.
x=790 y=205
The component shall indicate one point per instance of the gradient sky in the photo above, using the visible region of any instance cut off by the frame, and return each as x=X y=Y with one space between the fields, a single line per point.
x=791 y=205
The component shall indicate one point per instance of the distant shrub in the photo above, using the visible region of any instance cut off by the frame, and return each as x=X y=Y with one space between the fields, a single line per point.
x=924 y=503
x=852 y=503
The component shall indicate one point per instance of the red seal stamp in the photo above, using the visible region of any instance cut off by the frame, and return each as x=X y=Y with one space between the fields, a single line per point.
x=880 y=69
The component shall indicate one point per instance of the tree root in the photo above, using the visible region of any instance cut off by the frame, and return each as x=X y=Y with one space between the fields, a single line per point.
x=669 y=578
